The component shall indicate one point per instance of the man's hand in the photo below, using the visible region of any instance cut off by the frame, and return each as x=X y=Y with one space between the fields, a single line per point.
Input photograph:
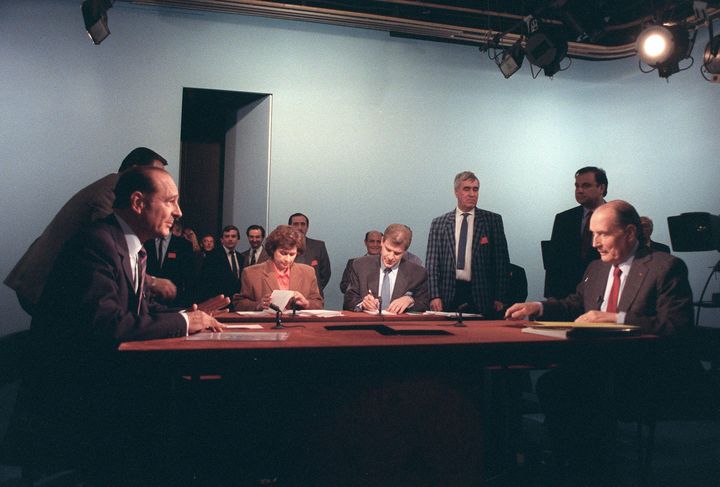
x=523 y=311
x=199 y=321
x=401 y=304
x=597 y=317
x=436 y=304
x=162 y=288
x=370 y=302
x=212 y=305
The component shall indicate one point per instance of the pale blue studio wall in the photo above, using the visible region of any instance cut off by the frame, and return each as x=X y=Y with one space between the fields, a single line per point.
x=367 y=129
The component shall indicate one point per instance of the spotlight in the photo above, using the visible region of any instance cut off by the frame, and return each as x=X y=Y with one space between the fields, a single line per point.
x=711 y=60
x=663 y=47
x=95 y=17
x=545 y=52
x=512 y=59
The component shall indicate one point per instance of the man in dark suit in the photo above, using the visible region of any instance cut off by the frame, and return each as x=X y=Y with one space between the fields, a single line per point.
x=315 y=254
x=467 y=255
x=171 y=258
x=629 y=284
x=373 y=241
x=91 y=203
x=74 y=408
x=222 y=268
x=647 y=230
x=400 y=284
x=256 y=254
x=570 y=249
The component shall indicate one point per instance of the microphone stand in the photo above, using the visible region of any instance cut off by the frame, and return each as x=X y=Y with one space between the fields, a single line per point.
x=459 y=323
x=380 y=308
x=278 y=317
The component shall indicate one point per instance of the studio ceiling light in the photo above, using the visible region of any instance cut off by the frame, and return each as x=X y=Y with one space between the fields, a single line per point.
x=511 y=59
x=95 y=17
x=663 y=47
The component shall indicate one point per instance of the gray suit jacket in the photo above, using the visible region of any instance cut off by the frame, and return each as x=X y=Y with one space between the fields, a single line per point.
x=656 y=295
x=365 y=275
x=316 y=256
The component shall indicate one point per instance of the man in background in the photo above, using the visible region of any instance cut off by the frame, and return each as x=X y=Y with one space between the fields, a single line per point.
x=256 y=254
x=315 y=254
x=373 y=241
x=570 y=250
x=221 y=270
x=647 y=230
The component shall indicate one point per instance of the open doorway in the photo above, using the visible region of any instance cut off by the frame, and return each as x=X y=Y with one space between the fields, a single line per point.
x=224 y=159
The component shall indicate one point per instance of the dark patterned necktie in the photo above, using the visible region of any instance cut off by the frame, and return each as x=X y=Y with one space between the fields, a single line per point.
x=462 y=242
x=252 y=259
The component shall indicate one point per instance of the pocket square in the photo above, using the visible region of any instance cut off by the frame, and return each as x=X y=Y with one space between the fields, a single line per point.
x=171 y=255
x=484 y=240
x=314 y=263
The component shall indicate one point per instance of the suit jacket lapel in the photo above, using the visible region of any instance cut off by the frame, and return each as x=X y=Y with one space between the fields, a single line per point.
x=374 y=279
x=122 y=250
x=450 y=234
x=401 y=281
x=635 y=278
x=595 y=290
x=269 y=279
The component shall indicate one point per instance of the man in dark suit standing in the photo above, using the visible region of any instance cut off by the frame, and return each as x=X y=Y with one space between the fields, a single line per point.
x=171 y=257
x=467 y=256
x=315 y=254
x=220 y=273
x=74 y=407
x=256 y=254
x=399 y=284
x=571 y=249
x=629 y=284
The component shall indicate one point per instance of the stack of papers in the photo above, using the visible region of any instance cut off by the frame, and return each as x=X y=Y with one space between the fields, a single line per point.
x=560 y=329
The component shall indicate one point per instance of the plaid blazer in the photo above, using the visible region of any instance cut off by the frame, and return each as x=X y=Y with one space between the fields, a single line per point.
x=490 y=259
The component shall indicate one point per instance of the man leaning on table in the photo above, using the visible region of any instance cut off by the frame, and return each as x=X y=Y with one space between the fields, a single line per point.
x=75 y=408
x=388 y=280
x=629 y=284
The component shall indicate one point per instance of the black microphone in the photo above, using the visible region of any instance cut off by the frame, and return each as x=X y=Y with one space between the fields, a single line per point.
x=278 y=315
x=460 y=309
x=293 y=305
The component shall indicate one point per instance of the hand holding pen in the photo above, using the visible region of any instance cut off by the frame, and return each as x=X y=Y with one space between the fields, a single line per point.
x=370 y=302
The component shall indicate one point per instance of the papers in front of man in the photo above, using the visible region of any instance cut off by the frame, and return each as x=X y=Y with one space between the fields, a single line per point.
x=452 y=314
x=319 y=313
x=560 y=329
x=247 y=336
x=376 y=312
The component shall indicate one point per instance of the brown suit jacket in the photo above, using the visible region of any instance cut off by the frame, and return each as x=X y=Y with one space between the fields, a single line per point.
x=259 y=280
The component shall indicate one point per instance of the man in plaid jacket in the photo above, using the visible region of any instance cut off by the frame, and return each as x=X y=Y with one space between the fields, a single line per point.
x=467 y=256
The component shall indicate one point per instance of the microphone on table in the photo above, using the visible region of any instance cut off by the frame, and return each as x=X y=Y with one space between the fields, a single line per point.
x=278 y=314
x=460 y=309
x=293 y=305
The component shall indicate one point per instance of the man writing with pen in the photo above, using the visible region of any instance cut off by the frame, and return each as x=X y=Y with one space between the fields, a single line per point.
x=388 y=282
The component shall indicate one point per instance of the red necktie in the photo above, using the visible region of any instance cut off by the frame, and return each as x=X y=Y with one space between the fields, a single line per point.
x=614 y=291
